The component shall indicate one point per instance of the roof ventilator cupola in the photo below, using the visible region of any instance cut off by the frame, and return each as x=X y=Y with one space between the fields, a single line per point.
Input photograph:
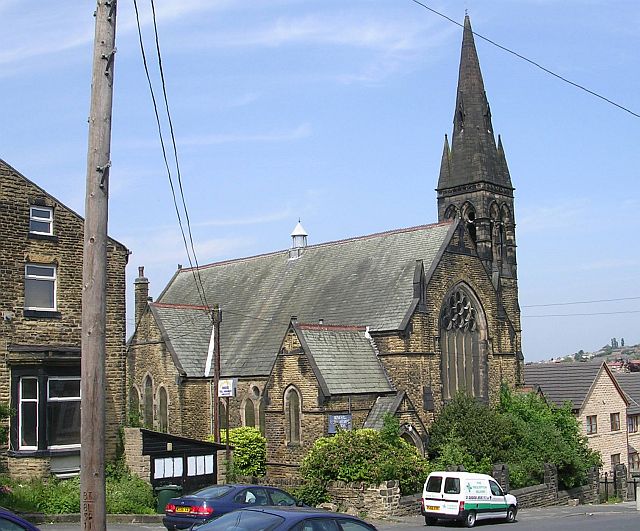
x=298 y=241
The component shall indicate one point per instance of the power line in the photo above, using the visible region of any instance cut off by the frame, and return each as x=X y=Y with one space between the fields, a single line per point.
x=504 y=48
x=580 y=314
x=175 y=149
x=579 y=302
x=199 y=285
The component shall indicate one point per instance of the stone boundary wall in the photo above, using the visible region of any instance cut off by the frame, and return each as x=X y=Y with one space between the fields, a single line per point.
x=374 y=501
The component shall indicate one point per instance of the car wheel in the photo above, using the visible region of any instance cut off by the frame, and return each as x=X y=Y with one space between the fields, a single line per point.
x=470 y=520
x=429 y=520
x=511 y=514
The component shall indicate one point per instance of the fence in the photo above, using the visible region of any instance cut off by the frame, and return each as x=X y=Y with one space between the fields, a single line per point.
x=617 y=485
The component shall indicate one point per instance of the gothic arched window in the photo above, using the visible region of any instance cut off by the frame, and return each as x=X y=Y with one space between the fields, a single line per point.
x=249 y=413
x=163 y=410
x=148 y=402
x=462 y=331
x=292 y=415
x=134 y=407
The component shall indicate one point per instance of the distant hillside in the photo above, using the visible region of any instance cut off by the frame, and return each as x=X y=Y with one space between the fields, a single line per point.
x=607 y=353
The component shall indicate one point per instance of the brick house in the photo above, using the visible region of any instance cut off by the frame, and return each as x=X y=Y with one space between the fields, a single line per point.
x=597 y=400
x=340 y=333
x=40 y=301
x=630 y=383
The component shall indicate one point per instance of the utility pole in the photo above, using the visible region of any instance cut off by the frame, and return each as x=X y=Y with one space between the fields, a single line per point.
x=94 y=273
x=217 y=318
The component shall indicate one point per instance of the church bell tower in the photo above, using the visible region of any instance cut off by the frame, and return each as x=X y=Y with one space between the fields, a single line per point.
x=475 y=185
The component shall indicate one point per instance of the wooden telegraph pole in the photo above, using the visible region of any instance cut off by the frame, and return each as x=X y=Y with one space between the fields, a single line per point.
x=94 y=273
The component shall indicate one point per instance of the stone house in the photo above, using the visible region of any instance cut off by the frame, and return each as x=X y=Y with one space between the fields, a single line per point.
x=340 y=333
x=40 y=300
x=597 y=400
x=630 y=383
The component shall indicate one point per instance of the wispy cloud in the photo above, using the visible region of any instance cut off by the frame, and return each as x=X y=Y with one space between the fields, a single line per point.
x=541 y=218
x=300 y=132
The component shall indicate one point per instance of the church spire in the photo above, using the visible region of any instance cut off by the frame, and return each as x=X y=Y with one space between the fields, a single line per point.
x=474 y=155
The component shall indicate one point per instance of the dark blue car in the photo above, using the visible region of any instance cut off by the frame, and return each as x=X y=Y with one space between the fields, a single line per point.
x=211 y=502
x=12 y=522
x=286 y=519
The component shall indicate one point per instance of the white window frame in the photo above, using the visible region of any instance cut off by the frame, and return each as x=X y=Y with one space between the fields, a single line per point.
x=63 y=399
x=53 y=278
x=40 y=219
x=30 y=400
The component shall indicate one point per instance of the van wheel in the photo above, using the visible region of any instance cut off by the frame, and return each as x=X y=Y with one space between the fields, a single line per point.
x=470 y=520
x=511 y=514
x=429 y=520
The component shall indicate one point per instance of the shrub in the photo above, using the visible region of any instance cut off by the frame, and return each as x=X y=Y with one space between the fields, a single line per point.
x=366 y=455
x=312 y=493
x=249 y=452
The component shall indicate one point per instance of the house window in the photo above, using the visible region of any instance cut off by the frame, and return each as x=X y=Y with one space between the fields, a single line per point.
x=28 y=414
x=46 y=401
x=41 y=220
x=249 y=413
x=63 y=411
x=615 y=460
x=163 y=410
x=615 y=421
x=634 y=461
x=632 y=423
x=592 y=424
x=292 y=414
x=40 y=287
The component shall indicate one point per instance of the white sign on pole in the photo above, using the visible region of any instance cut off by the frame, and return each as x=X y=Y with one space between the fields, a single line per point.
x=227 y=388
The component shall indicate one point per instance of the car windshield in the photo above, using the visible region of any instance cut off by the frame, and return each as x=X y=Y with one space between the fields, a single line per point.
x=244 y=520
x=216 y=491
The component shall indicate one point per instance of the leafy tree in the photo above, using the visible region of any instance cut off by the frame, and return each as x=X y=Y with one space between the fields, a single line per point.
x=477 y=429
x=544 y=433
x=523 y=431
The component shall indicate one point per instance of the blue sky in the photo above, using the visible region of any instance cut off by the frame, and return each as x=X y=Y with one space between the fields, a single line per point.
x=334 y=111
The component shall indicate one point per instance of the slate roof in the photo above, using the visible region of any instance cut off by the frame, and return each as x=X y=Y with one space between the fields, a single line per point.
x=630 y=383
x=345 y=358
x=563 y=382
x=366 y=281
x=383 y=405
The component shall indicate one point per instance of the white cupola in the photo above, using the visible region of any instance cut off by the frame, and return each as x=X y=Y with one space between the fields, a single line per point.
x=298 y=241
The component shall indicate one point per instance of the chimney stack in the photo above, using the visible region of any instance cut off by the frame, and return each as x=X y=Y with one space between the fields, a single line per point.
x=141 y=286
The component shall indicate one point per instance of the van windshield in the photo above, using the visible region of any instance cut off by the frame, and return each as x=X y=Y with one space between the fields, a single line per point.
x=452 y=486
x=434 y=483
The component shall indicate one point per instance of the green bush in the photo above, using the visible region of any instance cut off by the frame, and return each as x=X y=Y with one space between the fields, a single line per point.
x=366 y=455
x=126 y=494
x=249 y=452
x=312 y=493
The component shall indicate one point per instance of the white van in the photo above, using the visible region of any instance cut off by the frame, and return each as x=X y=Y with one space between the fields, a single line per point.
x=465 y=497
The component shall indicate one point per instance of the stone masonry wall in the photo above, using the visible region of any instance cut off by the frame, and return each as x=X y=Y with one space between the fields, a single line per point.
x=63 y=327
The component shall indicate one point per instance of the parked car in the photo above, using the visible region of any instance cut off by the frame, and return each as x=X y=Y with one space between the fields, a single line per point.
x=466 y=498
x=286 y=519
x=211 y=502
x=12 y=521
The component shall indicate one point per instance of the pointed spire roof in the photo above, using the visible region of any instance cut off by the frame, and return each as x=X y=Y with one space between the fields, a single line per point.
x=474 y=156
x=298 y=230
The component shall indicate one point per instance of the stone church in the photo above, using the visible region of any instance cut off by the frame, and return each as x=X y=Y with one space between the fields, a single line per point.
x=341 y=333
